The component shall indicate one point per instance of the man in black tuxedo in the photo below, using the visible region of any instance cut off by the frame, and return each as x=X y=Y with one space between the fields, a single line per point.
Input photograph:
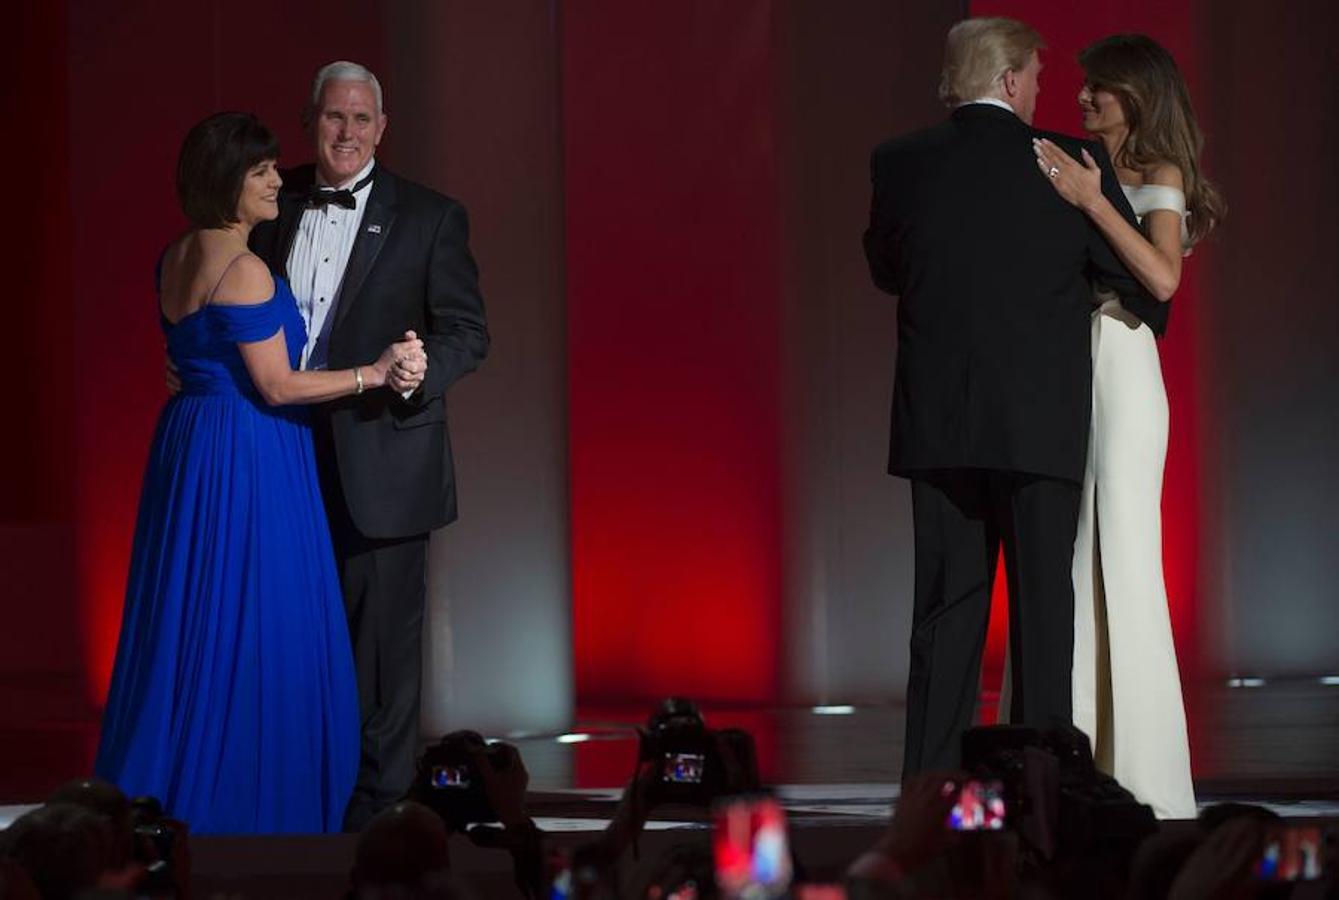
x=369 y=256
x=993 y=384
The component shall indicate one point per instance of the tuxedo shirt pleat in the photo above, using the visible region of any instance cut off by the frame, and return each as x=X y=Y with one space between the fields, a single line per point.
x=316 y=264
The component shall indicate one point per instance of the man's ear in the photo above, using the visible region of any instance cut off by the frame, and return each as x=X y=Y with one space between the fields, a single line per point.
x=1010 y=79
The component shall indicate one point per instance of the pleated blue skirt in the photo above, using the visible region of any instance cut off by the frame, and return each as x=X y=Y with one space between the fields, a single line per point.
x=233 y=697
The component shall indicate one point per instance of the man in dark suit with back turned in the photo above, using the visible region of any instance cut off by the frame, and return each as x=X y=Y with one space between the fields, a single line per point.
x=369 y=256
x=993 y=385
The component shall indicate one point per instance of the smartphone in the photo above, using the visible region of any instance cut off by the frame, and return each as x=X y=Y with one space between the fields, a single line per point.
x=683 y=768
x=751 y=844
x=979 y=806
x=447 y=777
x=1292 y=853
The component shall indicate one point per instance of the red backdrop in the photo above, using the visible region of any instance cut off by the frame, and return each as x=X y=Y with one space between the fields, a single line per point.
x=673 y=330
x=41 y=660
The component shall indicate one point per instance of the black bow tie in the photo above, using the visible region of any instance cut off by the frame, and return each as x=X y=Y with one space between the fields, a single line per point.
x=320 y=196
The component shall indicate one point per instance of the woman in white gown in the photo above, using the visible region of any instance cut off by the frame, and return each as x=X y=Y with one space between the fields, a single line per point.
x=1127 y=688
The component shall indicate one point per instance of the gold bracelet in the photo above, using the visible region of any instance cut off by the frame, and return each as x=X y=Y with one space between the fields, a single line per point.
x=358 y=377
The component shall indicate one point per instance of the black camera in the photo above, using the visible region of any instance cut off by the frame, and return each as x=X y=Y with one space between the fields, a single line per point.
x=1059 y=802
x=449 y=782
x=695 y=764
x=155 y=837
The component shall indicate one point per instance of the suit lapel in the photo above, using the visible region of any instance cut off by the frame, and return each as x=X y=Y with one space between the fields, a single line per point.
x=373 y=232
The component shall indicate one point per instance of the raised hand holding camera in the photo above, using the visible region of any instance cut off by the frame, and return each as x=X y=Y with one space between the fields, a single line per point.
x=696 y=764
x=468 y=781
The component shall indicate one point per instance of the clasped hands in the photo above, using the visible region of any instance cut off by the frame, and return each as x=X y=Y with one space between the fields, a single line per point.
x=403 y=366
x=407 y=364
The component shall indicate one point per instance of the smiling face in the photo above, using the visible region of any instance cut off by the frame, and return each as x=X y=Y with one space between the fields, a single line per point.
x=346 y=127
x=1102 y=112
x=259 y=199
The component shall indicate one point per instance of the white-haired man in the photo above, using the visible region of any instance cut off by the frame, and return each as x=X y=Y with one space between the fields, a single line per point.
x=993 y=386
x=370 y=255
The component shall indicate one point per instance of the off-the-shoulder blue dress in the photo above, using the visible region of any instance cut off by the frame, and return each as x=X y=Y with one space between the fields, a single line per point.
x=233 y=697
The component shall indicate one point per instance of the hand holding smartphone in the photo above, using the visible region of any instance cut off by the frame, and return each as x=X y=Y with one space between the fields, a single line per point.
x=1292 y=853
x=751 y=843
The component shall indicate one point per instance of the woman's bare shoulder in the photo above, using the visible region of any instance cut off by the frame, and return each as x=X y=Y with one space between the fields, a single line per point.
x=1167 y=174
x=246 y=282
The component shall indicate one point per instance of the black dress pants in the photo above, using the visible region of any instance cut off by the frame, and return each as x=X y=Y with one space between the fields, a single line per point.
x=961 y=518
x=385 y=589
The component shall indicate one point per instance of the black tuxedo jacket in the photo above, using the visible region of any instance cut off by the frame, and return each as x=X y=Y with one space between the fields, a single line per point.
x=993 y=271
x=410 y=268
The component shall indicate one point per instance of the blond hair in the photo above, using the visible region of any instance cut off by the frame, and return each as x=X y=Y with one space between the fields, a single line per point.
x=979 y=51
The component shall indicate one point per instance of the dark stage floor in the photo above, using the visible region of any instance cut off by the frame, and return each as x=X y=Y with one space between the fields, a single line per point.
x=836 y=770
x=1278 y=740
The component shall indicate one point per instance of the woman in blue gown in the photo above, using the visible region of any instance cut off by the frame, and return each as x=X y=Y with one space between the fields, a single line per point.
x=233 y=697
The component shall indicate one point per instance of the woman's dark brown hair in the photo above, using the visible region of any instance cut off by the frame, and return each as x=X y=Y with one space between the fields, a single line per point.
x=1162 y=127
x=213 y=163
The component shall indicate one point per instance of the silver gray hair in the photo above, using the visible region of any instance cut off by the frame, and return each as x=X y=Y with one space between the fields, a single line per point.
x=343 y=70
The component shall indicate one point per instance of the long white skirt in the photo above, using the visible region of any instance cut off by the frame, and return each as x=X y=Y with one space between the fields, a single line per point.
x=1127 y=686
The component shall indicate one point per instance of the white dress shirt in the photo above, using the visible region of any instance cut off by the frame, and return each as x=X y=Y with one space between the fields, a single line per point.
x=316 y=263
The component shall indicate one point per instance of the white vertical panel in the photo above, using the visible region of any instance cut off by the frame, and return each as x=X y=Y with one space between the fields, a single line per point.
x=472 y=96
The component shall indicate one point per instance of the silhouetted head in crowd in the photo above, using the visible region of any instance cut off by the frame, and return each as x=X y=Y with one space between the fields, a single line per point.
x=401 y=853
x=1098 y=871
x=64 y=848
x=1211 y=817
x=108 y=801
x=14 y=881
x=1159 y=860
x=682 y=870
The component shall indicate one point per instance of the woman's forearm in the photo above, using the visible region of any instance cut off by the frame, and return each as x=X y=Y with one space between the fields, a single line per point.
x=268 y=365
x=1147 y=262
x=296 y=387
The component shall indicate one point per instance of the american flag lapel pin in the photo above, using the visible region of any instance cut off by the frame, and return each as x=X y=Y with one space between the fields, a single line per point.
x=374 y=229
